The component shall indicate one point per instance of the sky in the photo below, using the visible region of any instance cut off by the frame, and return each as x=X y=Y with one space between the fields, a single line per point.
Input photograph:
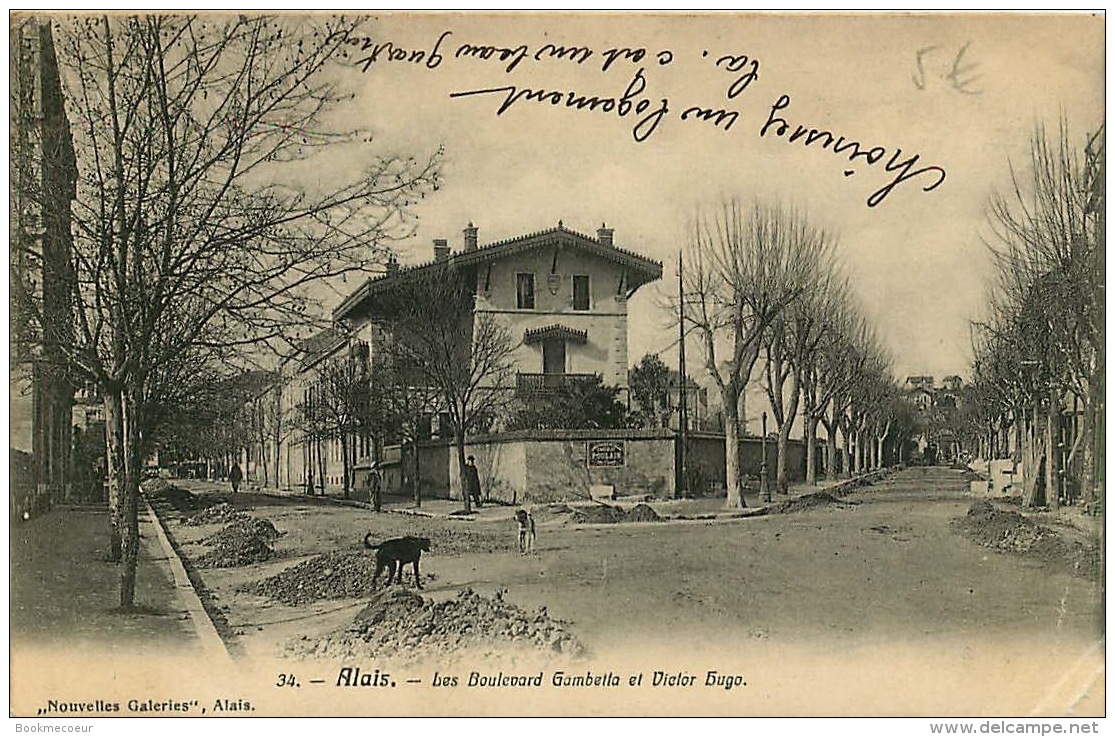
x=962 y=93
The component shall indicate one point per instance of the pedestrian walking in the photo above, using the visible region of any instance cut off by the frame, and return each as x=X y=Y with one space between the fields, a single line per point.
x=472 y=480
x=235 y=476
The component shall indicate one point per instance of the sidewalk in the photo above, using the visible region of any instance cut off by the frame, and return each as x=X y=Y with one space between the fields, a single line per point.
x=64 y=591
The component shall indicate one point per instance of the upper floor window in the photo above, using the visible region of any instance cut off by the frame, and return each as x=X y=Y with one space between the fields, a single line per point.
x=524 y=291
x=580 y=292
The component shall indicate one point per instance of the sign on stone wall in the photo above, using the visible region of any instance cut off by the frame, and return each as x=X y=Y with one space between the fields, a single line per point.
x=607 y=453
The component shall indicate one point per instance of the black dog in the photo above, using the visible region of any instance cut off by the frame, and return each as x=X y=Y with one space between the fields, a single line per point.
x=394 y=554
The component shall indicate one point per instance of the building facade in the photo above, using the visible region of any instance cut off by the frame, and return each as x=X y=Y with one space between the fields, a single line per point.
x=560 y=294
x=43 y=176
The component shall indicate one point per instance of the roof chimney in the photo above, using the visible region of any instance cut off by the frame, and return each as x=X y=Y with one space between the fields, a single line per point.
x=604 y=235
x=392 y=265
x=470 y=237
x=441 y=249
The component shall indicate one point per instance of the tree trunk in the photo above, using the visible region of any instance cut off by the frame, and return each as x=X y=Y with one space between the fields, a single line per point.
x=319 y=448
x=459 y=442
x=114 y=467
x=730 y=401
x=810 y=449
x=782 y=481
x=832 y=468
x=346 y=466
x=1052 y=451
x=1092 y=431
x=415 y=476
x=129 y=502
x=860 y=454
x=1032 y=463
x=265 y=460
x=846 y=451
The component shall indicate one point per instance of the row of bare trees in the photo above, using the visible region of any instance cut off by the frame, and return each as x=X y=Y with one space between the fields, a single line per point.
x=767 y=301
x=1039 y=354
x=197 y=235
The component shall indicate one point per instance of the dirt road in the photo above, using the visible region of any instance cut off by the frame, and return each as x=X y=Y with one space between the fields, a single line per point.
x=874 y=605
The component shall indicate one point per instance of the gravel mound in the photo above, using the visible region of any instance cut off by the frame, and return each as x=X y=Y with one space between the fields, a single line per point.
x=153 y=486
x=180 y=499
x=1011 y=532
x=607 y=514
x=401 y=626
x=243 y=527
x=642 y=513
x=218 y=513
x=240 y=543
x=338 y=575
x=810 y=501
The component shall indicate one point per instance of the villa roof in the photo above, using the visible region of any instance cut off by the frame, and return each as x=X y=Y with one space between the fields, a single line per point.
x=640 y=269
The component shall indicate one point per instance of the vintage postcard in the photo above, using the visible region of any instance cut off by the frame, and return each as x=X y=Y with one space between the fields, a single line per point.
x=564 y=364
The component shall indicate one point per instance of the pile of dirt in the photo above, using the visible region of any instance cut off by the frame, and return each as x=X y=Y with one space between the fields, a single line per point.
x=401 y=626
x=339 y=575
x=240 y=543
x=243 y=527
x=607 y=514
x=183 y=501
x=810 y=501
x=222 y=513
x=642 y=513
x=154 y=485
x=1011 y=532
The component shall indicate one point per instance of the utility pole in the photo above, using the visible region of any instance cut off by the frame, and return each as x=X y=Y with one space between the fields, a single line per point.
x=683 y=404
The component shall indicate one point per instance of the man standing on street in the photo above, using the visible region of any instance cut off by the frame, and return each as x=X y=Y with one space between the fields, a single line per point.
x=472 y=480
x=375 y=481
x=235 y=476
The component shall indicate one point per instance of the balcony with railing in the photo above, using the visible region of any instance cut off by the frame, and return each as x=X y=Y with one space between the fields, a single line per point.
x=527 y=384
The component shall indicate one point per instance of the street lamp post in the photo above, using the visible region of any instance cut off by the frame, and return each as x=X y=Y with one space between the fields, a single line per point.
x=764 y=484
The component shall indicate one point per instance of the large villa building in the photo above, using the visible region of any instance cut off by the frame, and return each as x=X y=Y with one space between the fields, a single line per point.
x=561 y=294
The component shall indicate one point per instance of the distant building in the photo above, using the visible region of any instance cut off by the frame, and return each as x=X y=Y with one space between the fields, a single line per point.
x=936 y=442
x=919 y=382
x=921 y=397
x=924 y=394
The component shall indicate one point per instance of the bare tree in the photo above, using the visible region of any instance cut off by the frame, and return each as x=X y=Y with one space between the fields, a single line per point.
x=746 y=269
x=341 y=405
x=828 y=378
x=1047 y=238
x=400 y=408
x=194 y=224
x=791 y=350
x=461 y=356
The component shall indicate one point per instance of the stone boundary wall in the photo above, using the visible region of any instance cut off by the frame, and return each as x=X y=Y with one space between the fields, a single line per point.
x=553 y=465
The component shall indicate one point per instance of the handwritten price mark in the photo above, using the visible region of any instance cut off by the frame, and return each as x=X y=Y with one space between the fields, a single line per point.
x=959 y=74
